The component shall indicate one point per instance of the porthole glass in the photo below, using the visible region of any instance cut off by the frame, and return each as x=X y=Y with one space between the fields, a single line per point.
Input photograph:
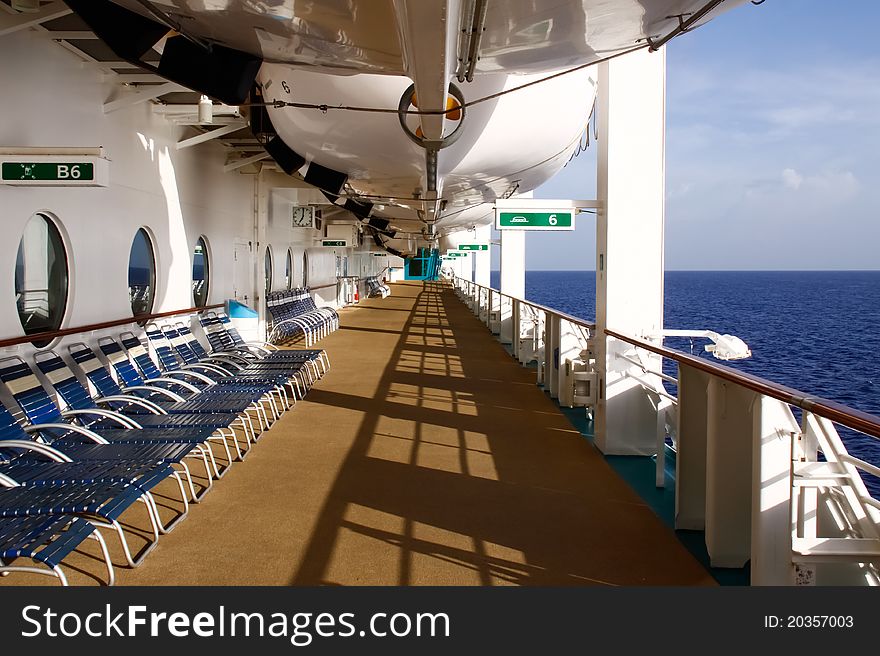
x=201 y=269
x=288 y=271
x=267 y=266
x=41 y=279
x=141 y=274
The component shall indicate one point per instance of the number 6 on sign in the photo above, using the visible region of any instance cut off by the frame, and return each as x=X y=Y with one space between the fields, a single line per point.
x=552 y=220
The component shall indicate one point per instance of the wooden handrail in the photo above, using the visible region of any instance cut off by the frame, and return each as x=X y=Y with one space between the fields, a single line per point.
x=54 y=334
x=863 y=422
x=561 y=315
x=837 y=412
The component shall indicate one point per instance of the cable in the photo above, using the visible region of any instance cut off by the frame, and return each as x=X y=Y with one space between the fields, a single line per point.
x=324 y=108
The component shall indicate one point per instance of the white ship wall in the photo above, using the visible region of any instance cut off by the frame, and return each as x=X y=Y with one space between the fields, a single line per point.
x=53 y=99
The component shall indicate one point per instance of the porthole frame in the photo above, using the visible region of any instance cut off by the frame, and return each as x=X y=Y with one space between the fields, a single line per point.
x=57 y=225
x=154 y=272
x=206 y=255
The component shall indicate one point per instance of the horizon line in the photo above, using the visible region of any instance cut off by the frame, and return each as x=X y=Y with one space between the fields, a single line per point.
x=716 y=270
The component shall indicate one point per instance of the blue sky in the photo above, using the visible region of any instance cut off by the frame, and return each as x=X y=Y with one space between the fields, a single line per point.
x=773 y=145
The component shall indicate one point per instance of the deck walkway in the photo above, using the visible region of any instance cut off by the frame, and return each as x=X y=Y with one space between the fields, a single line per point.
x=426 y=456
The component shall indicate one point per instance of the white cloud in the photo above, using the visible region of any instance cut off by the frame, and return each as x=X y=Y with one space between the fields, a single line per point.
x=792 y=179
x=679 y=190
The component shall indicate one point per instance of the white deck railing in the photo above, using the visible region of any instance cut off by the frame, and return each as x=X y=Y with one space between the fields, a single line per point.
x=760 y=467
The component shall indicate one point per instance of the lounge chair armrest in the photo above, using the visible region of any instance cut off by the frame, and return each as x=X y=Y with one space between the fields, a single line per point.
x=234 y=358
x=243 y=352
x=189 y=387
x=161 y=391
x=262 y=346
x=43 y=449
x=131 y=399
x=207 y=367
x=195 y=374
x=106 y=414
x=224 y=362
x=81 y=430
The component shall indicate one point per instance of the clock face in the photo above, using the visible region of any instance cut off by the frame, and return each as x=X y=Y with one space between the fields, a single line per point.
x=303 y=217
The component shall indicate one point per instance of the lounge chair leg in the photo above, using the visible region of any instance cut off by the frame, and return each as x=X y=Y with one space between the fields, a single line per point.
x=224 y=441
x=210 y=468
x=6 y=570
x=183 y=499
x=131 y=562
x=189 y=480
x=111 y=573
x=235 y=439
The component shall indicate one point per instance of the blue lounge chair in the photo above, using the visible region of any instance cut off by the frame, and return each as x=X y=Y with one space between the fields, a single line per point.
x=223 y=337
x=101 y=489
x=295 y=375
x=273 y=384
x=78 y=399
x=101 y=503
x=258 y=392
x=30 y=462
x=47 y=540
x=40 y=409
x=139 y=397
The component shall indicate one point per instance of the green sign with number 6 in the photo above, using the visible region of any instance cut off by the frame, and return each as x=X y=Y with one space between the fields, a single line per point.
x=534 y=220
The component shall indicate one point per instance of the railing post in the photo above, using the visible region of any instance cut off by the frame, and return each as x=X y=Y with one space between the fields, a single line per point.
x=551 y=352
x=569 y=346
x=515 y=317
x=487 y=317
x=731 y=421
x=663 y=405
x=495 y=315
x=690 y=443
x=505 y=327
x=774 y=427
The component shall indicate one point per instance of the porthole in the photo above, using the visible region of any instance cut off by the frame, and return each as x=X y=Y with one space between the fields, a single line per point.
x=267 y=269
x=41 y=277
x=141 y=274
x=200 y=273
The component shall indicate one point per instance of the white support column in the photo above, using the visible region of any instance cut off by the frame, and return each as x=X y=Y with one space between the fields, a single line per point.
x=482 y=259
x=462 y=268
x=513 y=271
x=513 y=262
x=629 y=243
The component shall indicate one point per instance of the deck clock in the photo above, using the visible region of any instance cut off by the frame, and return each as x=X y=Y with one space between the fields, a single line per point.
x=303 y=217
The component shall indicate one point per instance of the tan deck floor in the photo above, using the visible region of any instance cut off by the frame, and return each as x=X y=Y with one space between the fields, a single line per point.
x=426 y=456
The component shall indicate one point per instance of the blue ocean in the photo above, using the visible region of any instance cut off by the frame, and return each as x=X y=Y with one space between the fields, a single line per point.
x=816 y=331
